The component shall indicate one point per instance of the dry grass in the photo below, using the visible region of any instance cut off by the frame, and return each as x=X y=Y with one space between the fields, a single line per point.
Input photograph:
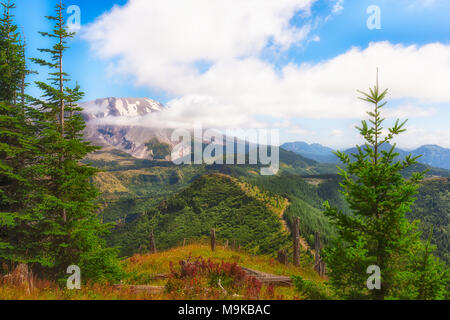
x=141 y=268
x=108 y=183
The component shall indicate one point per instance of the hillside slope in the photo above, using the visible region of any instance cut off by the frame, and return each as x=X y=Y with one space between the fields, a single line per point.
x=432 y=209
x=238 y=212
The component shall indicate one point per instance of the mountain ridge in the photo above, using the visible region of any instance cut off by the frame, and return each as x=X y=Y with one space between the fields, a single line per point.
x=431 y=154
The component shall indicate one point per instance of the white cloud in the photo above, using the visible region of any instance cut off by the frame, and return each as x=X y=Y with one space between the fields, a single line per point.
x=338 y=6
x=178 y=33
x=298 y=131
x=315 y=38
x=337 y=133
x=162 y=43
x=409 y=111
x=415 y=137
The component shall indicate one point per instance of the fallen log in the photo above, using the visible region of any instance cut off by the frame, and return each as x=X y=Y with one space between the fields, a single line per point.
x=268 y=278
x=159 y=276
x=141 y=288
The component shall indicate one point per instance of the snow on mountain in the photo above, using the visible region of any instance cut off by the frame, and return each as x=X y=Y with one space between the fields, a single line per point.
x=128 y=138
x=119 y=107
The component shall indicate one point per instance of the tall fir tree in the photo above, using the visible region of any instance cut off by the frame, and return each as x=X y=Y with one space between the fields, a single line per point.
x=18 y=163
x=69 y=222
x=377 y=232
x=12 y=60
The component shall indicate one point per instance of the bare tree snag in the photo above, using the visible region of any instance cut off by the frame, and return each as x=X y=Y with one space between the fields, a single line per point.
x=282 y=257
x=319 y=264
x=213 y=239
x=296 y=242
x=152 y=243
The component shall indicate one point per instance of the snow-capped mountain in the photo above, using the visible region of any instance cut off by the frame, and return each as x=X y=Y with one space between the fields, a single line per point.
x=127 y=138
x=119 y=107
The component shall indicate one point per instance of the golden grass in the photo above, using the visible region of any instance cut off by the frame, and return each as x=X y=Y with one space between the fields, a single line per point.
x=159 y=263
x=107 y=182
x=46 y=290
x=142 y=267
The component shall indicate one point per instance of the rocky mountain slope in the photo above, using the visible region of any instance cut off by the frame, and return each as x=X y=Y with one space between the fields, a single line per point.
x=107 y=125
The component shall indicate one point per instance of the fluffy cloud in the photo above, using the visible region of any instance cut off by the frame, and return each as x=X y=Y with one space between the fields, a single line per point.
x=337 y=133
x=207 y=54
x=416 y=136
x=409 y=111
x=338 y=6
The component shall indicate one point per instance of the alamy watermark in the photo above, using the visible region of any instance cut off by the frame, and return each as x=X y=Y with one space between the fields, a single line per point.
x=374 y=281
x=74 y=281
x=374 y=20
x=232 y=146
x=74 y=19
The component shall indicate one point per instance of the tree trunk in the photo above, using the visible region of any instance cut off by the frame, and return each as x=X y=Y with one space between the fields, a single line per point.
x=296 y=242
x=152 y=243
x=213 y=239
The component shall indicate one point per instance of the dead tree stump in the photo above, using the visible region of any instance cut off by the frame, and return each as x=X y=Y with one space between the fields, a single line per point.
x=282 y=257
x=152 y=243
x=296 y=241
x=319 y=264
x=213 y=239
x=22 y=277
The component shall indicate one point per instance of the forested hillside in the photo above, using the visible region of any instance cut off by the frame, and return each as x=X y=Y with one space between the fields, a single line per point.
x=238 y=212
x=131 y=188
x=432 y=209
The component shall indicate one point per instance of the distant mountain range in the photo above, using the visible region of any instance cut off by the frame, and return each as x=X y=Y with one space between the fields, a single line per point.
x=134 y=140
x=432 y=155
x=313 y=151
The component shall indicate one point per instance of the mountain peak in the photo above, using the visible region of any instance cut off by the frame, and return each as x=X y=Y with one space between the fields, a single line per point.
x=119 y=107
x=432 y=146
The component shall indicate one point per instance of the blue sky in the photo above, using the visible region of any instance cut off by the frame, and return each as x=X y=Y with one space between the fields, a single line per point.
x=209 y=75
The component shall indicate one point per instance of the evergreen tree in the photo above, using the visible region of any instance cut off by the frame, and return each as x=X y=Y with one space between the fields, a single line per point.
x=68 y=210
x=377 y=231
x=12 y=64
x=18 y=165
x=424 y=277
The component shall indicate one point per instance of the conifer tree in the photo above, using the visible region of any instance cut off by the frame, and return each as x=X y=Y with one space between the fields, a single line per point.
x=377 y=232
x=12 y=61
x=18 y=165
x=69 y=222
x=423 y=276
